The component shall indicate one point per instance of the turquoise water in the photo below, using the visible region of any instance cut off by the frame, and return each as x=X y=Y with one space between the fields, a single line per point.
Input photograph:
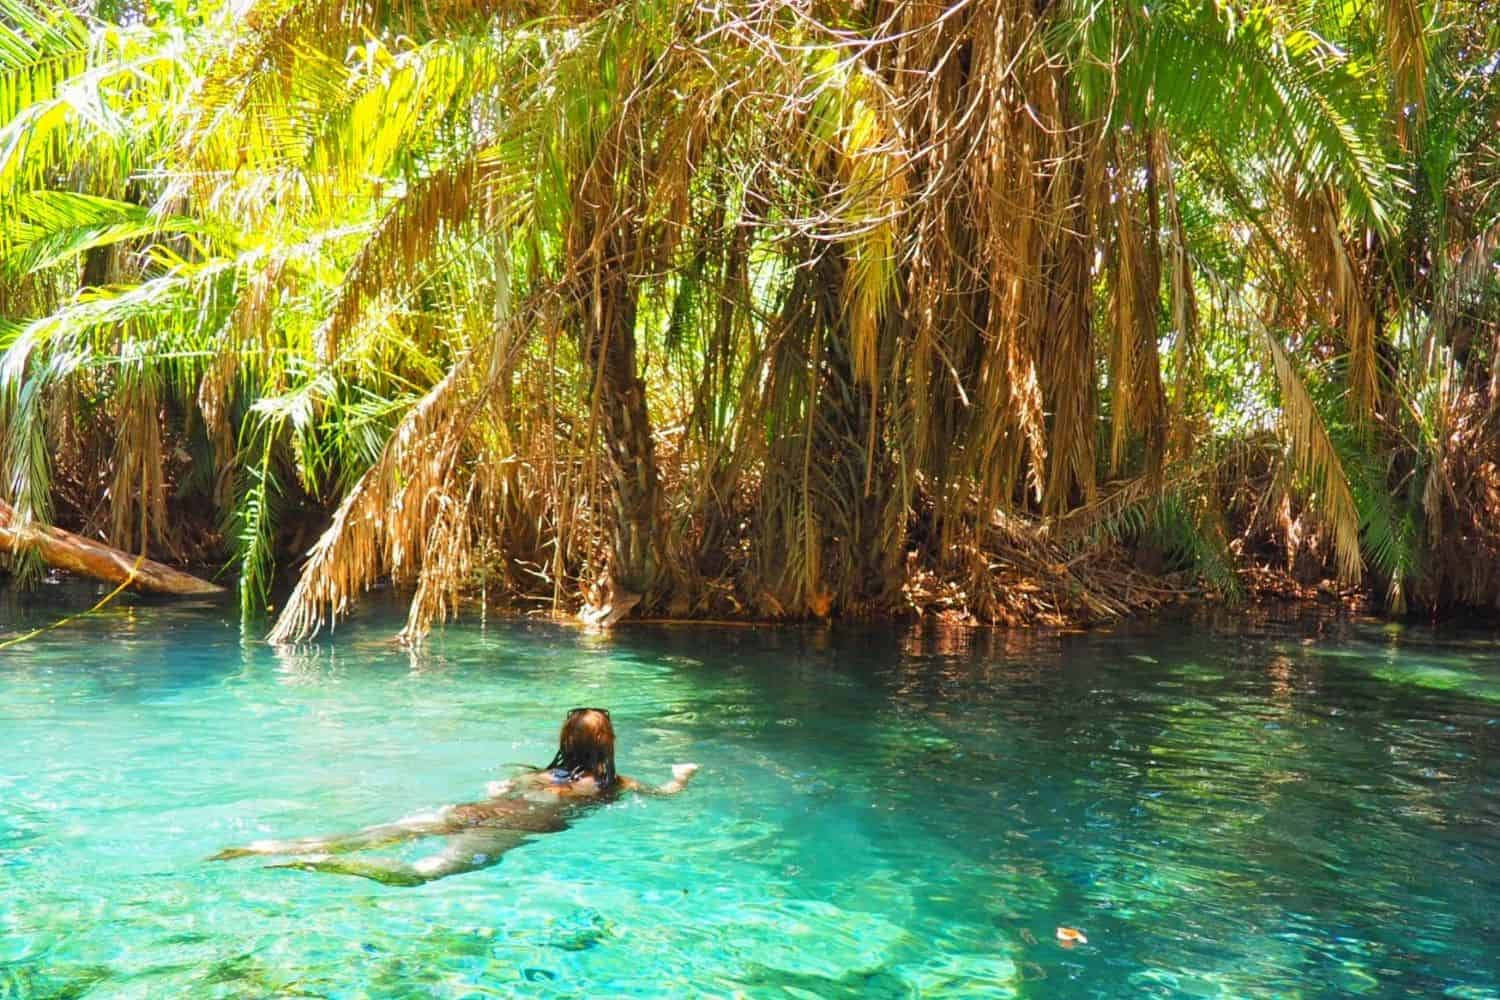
x=1280 y=811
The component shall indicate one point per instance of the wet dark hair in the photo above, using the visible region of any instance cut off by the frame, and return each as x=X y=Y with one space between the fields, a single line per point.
x=586 y=746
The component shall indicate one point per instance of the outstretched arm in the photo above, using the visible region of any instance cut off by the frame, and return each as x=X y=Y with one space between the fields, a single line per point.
x=681 y=775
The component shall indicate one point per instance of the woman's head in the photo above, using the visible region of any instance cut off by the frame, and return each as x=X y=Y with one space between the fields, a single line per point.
x=586 y=746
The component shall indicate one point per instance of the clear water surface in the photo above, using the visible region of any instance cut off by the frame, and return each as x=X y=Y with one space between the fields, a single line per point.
x=1286 y=810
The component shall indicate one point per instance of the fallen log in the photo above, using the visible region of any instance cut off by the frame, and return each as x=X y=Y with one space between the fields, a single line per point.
x=75 y=554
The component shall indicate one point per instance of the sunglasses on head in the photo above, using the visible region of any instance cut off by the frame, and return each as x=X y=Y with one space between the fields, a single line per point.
x=574 y=711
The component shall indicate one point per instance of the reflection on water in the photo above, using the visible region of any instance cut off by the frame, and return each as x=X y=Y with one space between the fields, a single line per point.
x=1298 y=808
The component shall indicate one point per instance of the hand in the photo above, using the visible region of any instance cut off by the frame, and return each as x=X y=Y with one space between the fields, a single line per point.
x=682 y=772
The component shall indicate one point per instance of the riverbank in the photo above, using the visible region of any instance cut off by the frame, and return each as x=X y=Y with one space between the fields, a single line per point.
x=1106 y=592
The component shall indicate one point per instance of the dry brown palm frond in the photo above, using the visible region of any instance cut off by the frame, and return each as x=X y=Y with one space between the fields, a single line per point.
x=138 y=500
x=447 y=562
x=409 y=516
x=1462 y=286
x=1313 y=457
x=1137 y=400
x=1117 y=498
x=1338 y=289
x=1069 y=359
x=1406 y=55
x=383 y=524
x=1187 y=359
x=247 y=332
x=215 y=391
x=407 y=234
x=991 y=377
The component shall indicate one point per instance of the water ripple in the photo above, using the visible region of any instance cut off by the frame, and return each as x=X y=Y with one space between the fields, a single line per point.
x=1230 y=813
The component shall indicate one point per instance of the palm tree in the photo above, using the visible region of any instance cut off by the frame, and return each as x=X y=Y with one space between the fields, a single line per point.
x=750 y=310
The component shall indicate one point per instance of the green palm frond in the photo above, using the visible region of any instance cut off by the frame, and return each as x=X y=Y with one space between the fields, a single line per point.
x=50 y=227
x=1388 y=526
x=41 y=48
x=1190 y=534
x=1249 y=80
x=90 y=114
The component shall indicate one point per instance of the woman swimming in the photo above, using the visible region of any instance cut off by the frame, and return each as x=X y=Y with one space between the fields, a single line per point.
x=581 y=775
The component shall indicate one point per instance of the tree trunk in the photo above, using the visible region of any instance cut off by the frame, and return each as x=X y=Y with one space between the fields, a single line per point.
x=628 y=443
x=66 y=551
x=606 y=330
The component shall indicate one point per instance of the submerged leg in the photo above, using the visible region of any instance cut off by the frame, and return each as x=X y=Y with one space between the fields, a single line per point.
x=467 y=851
x=423 y=825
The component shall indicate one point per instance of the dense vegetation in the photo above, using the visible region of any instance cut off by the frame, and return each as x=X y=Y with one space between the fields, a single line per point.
x=774 y=308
